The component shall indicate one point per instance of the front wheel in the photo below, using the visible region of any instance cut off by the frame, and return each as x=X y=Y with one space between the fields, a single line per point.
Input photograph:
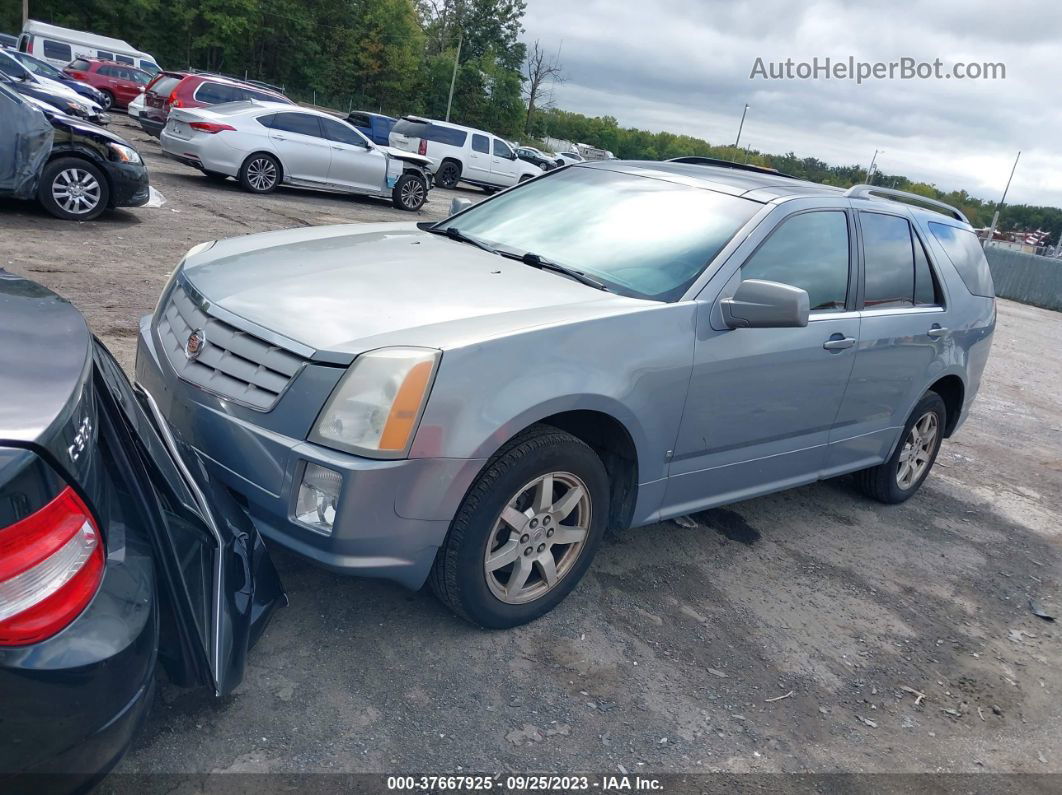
x=410 y=192
x=526 y=531
x=899 y=477
x=73 y=189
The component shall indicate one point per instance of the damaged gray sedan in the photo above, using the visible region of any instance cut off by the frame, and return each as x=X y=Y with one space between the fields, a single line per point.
x=472 y=403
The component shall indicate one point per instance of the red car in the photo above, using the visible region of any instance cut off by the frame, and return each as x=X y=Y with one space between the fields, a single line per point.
x=118 y=82
x=184 y=90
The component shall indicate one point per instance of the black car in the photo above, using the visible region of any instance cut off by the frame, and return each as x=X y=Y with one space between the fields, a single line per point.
x=531 y=155
x=44 y=69
x=22 y=80
x=119 y=552
x=76 y=172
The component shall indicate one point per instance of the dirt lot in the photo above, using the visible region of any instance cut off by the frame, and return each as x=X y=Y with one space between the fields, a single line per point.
x=787 y=633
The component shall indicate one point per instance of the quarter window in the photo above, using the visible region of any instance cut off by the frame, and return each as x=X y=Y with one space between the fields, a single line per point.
x=57 y=50
x=480 y=144
x=965 y=253
x=302 y=123
x=809 y=251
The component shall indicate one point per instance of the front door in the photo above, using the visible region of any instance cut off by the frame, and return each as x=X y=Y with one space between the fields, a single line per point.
x=502 y=164
x=477 y=168
x=304 y=152
x=761 y=401
x=355 y=164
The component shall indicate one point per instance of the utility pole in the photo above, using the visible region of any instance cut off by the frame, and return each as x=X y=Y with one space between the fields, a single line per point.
x=873 y=160
x=995 y=215
x=25 y=12
x=453 y=78
x=742 y=124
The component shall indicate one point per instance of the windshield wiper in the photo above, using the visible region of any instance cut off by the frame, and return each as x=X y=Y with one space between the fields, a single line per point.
x=536 y=261
x=454 y=233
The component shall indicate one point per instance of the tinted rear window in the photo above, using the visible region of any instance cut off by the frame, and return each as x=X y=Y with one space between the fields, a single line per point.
x=432 y=132
x=164 y=85
x=359 y=120
x=410 y=129
x=217 y=93
x=964 y=250
x=58 y=50
x=80 y=65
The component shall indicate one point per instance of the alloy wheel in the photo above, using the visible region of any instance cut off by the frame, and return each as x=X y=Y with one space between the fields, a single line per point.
x=76 y=191
x=262 y=174
x=917 y=450
x=412 y=193
x=538 y=537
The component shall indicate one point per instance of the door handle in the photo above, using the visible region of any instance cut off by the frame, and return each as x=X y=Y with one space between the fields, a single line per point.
x=838 y=343
x=279 y=138
x=937 y=332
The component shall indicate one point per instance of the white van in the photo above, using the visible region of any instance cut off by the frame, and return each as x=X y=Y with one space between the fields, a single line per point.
x=59 y=46
x=461 y=154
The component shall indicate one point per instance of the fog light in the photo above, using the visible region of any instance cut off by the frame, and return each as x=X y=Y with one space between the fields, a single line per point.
x=318 y=498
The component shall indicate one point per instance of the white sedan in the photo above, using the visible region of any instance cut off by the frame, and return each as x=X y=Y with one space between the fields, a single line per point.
x=266 y=144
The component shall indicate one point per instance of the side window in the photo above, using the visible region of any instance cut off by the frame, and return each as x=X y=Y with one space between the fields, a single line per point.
x=926 y=290
x=80 y=65
x=302 y=123
x=125 y=59
x=57 y=50
x=809 y=251
x=445 y=135
x=964 y=251
x=267 y=120
x=217 y=93
x=103 y=55
x=335 y=130
x=10 y=67
x=480 y=144
x=888 y=254
x=360 y=120
x=108 y=71
x=501 y=149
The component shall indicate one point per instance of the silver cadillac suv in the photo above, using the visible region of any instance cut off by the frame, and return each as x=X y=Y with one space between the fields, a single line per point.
x=612 y=344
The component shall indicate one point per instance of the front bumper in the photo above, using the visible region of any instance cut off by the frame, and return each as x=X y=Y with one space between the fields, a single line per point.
x=392 y=515
x=129 y=184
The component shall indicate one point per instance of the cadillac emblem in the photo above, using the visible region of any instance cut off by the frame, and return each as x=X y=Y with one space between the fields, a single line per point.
x=194 y=346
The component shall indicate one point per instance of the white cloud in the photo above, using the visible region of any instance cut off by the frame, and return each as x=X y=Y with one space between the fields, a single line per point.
x=683 y=65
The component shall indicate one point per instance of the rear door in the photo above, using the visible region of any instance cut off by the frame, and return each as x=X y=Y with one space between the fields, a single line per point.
x=211 y=562
x=305 y=154
x=355 y=165
x=478 y=166
x=503 y=168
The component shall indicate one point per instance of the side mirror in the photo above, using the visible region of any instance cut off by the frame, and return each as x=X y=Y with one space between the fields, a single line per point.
x=457 y=205
x=762 y=304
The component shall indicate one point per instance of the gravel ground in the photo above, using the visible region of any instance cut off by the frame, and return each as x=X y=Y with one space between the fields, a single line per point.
x=787 y=633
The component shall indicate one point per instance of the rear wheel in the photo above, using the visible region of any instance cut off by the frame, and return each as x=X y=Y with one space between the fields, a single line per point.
x=260 y=173
x=898 y=478
x=73 y=189
x=410 y=192
x=108 y=99
x=526 y=531
x=524 y=177
x=449 y=174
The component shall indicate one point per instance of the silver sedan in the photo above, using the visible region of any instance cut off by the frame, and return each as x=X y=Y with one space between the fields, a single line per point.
x=264 y=145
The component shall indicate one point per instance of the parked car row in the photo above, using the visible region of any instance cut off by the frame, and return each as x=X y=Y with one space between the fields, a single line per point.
x=63 y=97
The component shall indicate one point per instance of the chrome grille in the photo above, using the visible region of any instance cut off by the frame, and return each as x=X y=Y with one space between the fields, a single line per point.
x=231 y=363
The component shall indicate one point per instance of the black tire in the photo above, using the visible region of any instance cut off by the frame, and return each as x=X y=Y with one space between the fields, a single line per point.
x=523 y=178
x=410 y=192
x=108 y=99
x=449 y=174
x=881 y=482
x=458 y=576
x=260 y=173
x=216 y=176
x=91 y=198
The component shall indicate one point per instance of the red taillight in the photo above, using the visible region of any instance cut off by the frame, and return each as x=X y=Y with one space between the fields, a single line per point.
x=172 y=100
x=210 y=127
x=29 y=46
x=423 y=148
x=51 y=564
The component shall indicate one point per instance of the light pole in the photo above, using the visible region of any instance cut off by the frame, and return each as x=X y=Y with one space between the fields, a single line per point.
x=873 y=160
x=995 y=215
x=742 y=124
x=453 y=78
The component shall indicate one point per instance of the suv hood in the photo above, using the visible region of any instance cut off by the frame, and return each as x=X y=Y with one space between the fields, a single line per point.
x=352 y=288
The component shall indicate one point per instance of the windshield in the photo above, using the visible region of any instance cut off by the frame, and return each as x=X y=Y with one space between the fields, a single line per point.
x=642 y=236
x=41 y=68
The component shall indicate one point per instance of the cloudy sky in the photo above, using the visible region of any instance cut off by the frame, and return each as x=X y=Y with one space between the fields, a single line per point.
x=684 y=65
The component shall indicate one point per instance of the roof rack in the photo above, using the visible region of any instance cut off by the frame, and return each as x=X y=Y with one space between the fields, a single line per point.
x=874 y=191
x=699 y=160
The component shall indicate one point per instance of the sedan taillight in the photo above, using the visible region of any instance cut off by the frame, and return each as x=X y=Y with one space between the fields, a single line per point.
x=51 y=563
x=210 y=127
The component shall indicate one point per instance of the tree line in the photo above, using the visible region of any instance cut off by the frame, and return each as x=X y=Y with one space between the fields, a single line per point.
x=397 y=57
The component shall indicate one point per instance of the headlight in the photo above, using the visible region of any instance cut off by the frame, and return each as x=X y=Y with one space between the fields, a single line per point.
x=125 y=154
x=376 y=406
